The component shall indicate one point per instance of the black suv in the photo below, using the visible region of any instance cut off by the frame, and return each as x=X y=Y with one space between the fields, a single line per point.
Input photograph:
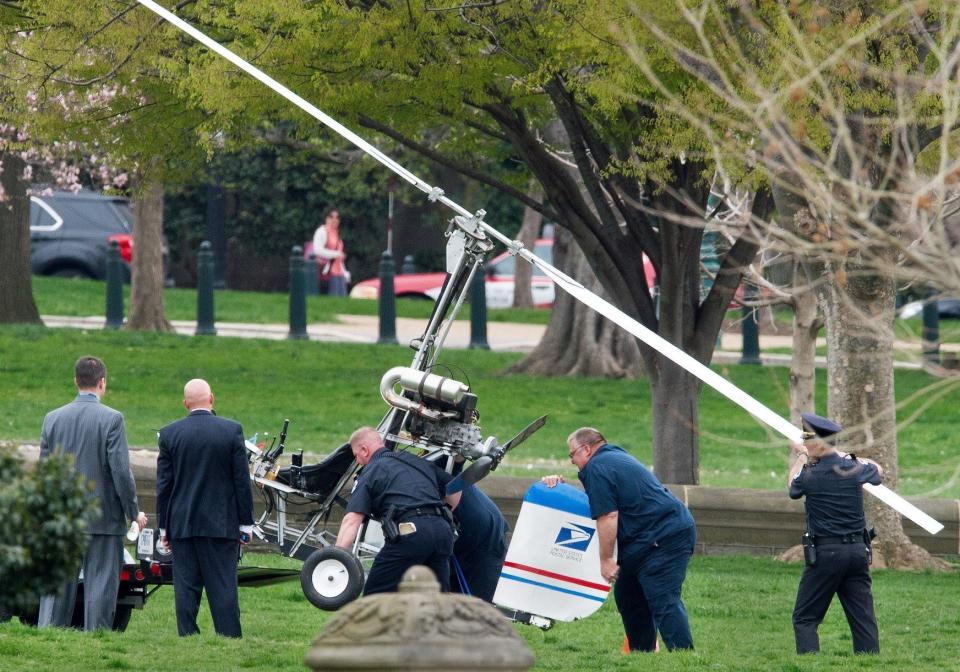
x=70 y=233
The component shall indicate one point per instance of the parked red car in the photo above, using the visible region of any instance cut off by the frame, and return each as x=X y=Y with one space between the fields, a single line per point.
x=500 y=281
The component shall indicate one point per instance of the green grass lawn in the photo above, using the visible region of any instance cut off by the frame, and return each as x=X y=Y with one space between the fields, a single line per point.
x=912 y=330
x=329 y=389
x=739 y=610
x=81 y=298
x=912 y=353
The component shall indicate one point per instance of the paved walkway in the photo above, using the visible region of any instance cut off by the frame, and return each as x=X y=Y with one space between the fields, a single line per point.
x=507 y=336
x=503 y=336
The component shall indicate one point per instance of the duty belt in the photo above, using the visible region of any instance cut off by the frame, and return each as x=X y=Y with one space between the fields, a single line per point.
x=420 y=512
x=853 y=538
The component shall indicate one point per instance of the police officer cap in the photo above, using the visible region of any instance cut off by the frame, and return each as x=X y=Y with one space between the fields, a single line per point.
x=820 y=425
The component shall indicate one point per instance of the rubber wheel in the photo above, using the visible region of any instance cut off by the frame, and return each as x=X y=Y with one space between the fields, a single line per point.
x=331 y=577
x=31 y=617
x=121 y=619
x=73 y=272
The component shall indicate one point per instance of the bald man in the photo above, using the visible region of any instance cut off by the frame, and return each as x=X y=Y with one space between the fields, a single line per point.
x=412 y=493
x=205 y=509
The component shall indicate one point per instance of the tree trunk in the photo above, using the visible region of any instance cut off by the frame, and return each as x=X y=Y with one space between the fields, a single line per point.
x=859 y=308
x=806 y=326
x=676 y=418
x=616 y=219
x=146 y=284
x=16 y=290
x=578 y=341
x=529 y=231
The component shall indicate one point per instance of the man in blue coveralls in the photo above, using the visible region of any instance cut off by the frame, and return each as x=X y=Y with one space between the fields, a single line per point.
x=481 y=546
x=654 y=535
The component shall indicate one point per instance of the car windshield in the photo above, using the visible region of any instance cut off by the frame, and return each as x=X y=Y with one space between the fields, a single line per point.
x=108 y=215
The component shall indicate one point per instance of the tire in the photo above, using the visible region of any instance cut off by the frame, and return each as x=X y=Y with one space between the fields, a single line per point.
x=31 y=617
x=73 y=272
x=121 y=619
x=331 y=577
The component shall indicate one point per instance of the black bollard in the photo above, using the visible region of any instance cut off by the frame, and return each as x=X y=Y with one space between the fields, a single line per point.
x=931 y=329
x=388 y=301
x=478 y=311
x=408 y=265
x=311 y=275
x=206 y=277
x=298 y=299
x=750 y=330
x=114 y=287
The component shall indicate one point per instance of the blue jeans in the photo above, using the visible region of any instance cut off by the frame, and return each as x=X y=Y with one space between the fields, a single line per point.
x=337 y=286
x=648 y=593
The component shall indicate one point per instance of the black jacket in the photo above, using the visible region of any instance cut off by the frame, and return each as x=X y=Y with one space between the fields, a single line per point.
x=203 y=482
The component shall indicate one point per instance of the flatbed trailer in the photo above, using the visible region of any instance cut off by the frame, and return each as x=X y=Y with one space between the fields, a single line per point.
x=140 y=579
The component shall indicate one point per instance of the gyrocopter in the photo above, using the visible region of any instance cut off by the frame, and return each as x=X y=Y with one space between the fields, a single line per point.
x=552 y=566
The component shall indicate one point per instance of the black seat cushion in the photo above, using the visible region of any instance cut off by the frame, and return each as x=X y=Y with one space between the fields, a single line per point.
x=319 y=479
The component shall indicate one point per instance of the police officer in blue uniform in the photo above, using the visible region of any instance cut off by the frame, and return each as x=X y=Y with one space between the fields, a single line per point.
x=654 y=534
x=408 y=496
x=837 y=543
x=481 y=545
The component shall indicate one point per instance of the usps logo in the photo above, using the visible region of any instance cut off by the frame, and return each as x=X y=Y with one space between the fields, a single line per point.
x=575 y=537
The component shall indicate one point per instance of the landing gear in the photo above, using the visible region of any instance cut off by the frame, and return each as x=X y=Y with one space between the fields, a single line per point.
x=331 y=577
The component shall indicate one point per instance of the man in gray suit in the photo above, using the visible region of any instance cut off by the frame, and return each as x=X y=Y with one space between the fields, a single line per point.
x=94 y=434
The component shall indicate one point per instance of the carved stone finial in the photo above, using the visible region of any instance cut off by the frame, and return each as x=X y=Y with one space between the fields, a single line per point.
x=419 y=628
x=419 y=579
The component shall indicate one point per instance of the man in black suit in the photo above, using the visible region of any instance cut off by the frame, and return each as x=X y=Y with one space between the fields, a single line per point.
x=205 y=509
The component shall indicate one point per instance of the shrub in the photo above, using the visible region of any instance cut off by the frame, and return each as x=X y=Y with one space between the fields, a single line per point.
x=42 y=528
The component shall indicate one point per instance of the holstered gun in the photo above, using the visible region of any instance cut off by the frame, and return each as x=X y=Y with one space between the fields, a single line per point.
x=809 y=550
x=869 y=536
x=391 y=531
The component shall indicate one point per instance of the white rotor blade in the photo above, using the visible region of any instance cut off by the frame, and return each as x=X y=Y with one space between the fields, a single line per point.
x=716 y=381
x=902 y=506
x=315 y=112
x=565 y=282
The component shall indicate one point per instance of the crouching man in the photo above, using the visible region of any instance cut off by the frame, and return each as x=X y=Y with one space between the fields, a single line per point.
x=407 y=495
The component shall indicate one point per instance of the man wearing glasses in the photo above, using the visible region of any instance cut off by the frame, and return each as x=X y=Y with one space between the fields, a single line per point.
x=652 y=531
x=837 y=543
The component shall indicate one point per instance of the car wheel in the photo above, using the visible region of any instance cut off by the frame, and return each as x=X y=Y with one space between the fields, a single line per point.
x=73 y=272
x=30 y=617
x=121 y=619
x=331 y=577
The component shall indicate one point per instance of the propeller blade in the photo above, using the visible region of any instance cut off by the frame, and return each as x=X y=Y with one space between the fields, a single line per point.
x=525 y=434
x=475 y=472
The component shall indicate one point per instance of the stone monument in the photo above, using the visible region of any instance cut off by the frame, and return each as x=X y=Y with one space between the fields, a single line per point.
x=419 y=629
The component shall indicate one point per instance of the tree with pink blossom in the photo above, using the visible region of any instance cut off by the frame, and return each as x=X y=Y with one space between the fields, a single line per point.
x=91 y=97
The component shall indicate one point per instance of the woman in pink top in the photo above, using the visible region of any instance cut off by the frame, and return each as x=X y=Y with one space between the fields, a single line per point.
x=328 y=248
